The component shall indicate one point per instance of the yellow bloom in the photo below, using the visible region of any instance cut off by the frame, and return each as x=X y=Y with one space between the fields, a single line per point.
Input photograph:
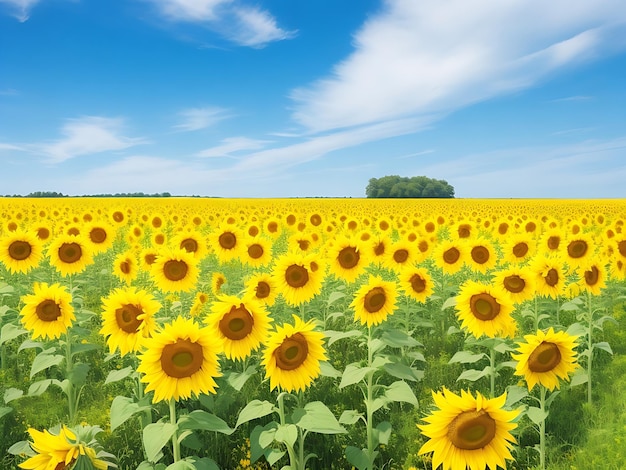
x=482 y=255
x=450 y=255
x=174 y=271
x=127 y=317
x=518 y=281
x=181 y=360
x=48 y=312
x=467 y=432
x=416 y=283
x=347 y=257
x=549 y=274
x=292 y=356
x=485 y=310
x=20 y=251
x=545 y=358
x=125 y=267
x=298 y=277
x=226 y=242
x=263 y=288
x=374 y=301
x=69 y=254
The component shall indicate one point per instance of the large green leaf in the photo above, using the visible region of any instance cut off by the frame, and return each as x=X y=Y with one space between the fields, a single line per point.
x=350 y=416
x=238 y=379
x=9 y=332
x=382 y=432
x=604 y=346
x=316 y=417
x=205 y=421
x=400 y=391
x=357 y=457
x=44 y=361
x=466 y=357
x=5 y=410
x=473 y=375
x=117 y=375
x=155 y=436
x=402 y=371
x=253 y=410
x=353 y=374
x=286 y=433
x=11 y=394
x=536 y=415
x=333 y=335
x=122 y=408
x=398 y=339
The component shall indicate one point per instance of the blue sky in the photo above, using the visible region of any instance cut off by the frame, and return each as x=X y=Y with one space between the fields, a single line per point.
x=274 y=98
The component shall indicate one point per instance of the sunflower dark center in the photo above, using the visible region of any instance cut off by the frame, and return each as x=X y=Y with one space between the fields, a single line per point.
x=98 y=235
x=20 y=250
x=552 y=277
x=480 y=254
x=272 y=227
x=118 y=216
x=255 y=251
x=237 y=323
x=126 y=317
x=43 y=233
x=484 y=306
x=472 y=430
x=262 y=290
x=292 y=353
x=175 y=270
x=296 y=276
x=553 y=242
x=182 y=358
x=316 y=219
x=125 y=267
x=514 y=283
x=464 y=231
x=592 y=276
x=451 y=255
x=70 y=252
x=227 y=240
x=374 y=300
x=520 y=249
x=401 y=255
x=577 y=248
x=150 y=258
x=48 y=310
x=189 y=245
x=544 y=358
x=379 y=249
x=621 y=247
x=418 y=284
x=348 y=257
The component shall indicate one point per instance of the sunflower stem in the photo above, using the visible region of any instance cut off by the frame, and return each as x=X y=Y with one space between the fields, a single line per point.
x=492 y=375
x=536 y=314
x=542 y=428
x=293 y=460
x=589 y=347
x=69 y=366
x=175 y=443
x=369 y=403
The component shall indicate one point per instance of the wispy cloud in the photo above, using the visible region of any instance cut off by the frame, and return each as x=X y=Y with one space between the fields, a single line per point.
x=20 y=9
x=572 y=98
x=195 y=119
x=85 y=136
x=432 y=57
x=240 y=23
x=232 y=145
x=4 y=146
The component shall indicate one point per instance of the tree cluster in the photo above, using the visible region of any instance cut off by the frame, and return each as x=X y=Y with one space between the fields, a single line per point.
x=405 y=187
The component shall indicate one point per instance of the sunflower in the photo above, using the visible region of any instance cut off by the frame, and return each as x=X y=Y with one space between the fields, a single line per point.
x=450 y=255
x=69 y=254
x=192 y=242
x=482 y=255
x=127 y=319
x=549 y=274
x=485 y=310
x=519 y=248
x=518 y=281
x=272 y=227
x=125 y=267
x=551 y=241
x=292 y=355
x=48 y=311
x=226 y=242
x=58 y=451
x=378 y=248
x=545 y=358
x=43 y=230
x=347 y=258
x=257 y=252
x=181 y=360
x=199 y=301
x=416 y=283
x=468 y=432
x=174 y=271
x=374 y=301
x=147 y=257
x=218 y=280
x=593 y=276
x=20 y=251
x=263 y=288
x=242 y=324
x=578 y=249
x=298 y=277
x=401 y=254
x=99 y=236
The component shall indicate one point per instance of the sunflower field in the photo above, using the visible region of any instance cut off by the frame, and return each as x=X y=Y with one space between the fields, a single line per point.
x=188 y=333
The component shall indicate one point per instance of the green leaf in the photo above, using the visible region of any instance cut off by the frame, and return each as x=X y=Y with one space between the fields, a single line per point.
x=402 y=371
x=350 y=416
x=253 y=410
x=181 y=465
x=39 y=387
x=576 y=329
x=570 y=306
x=316 y=417
x=604 y=346
x=400 y=391
x=536 y=415
x=450 y=302
x=204 y=463
x=286 y=433
x=473 y=375
x=357 y=457
x=466 y=357
x=44 y=361
x=334 y=297
x=122 y=408
x=509 y=364
x=354 y=374
x=9 y=332
x=238 y=379
x=21 y=448
x=579 y=378
x=117 y=375
x=256 y=449
x=333 y=335
x=273 y=455
x=11 y=394
x=145 y=465
x=266 y=437
x=398 y=339
x=155 y=436
x=205 y=421
x=514 y=394
x=382 y=432
x=503 y=348
x=327 y=370
x=5 y=410
x=78 y=348
x=78 y=376
x=190 y=440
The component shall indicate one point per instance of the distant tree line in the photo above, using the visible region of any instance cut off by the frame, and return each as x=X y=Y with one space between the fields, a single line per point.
x=55 y=194
x=408 y=187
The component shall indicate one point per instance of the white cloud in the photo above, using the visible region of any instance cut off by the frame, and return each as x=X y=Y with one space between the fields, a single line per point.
x=4 y=146
x=85 y=136
x=194 y=119
x=20 y=9
x=232 y=145
x=416 y=58
x=244 y=25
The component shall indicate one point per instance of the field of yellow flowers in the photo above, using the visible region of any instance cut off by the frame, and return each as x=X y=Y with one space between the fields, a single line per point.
x=188 y=333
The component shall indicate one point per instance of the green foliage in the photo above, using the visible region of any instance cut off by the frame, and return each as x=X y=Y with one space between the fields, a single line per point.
x=395 y=186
